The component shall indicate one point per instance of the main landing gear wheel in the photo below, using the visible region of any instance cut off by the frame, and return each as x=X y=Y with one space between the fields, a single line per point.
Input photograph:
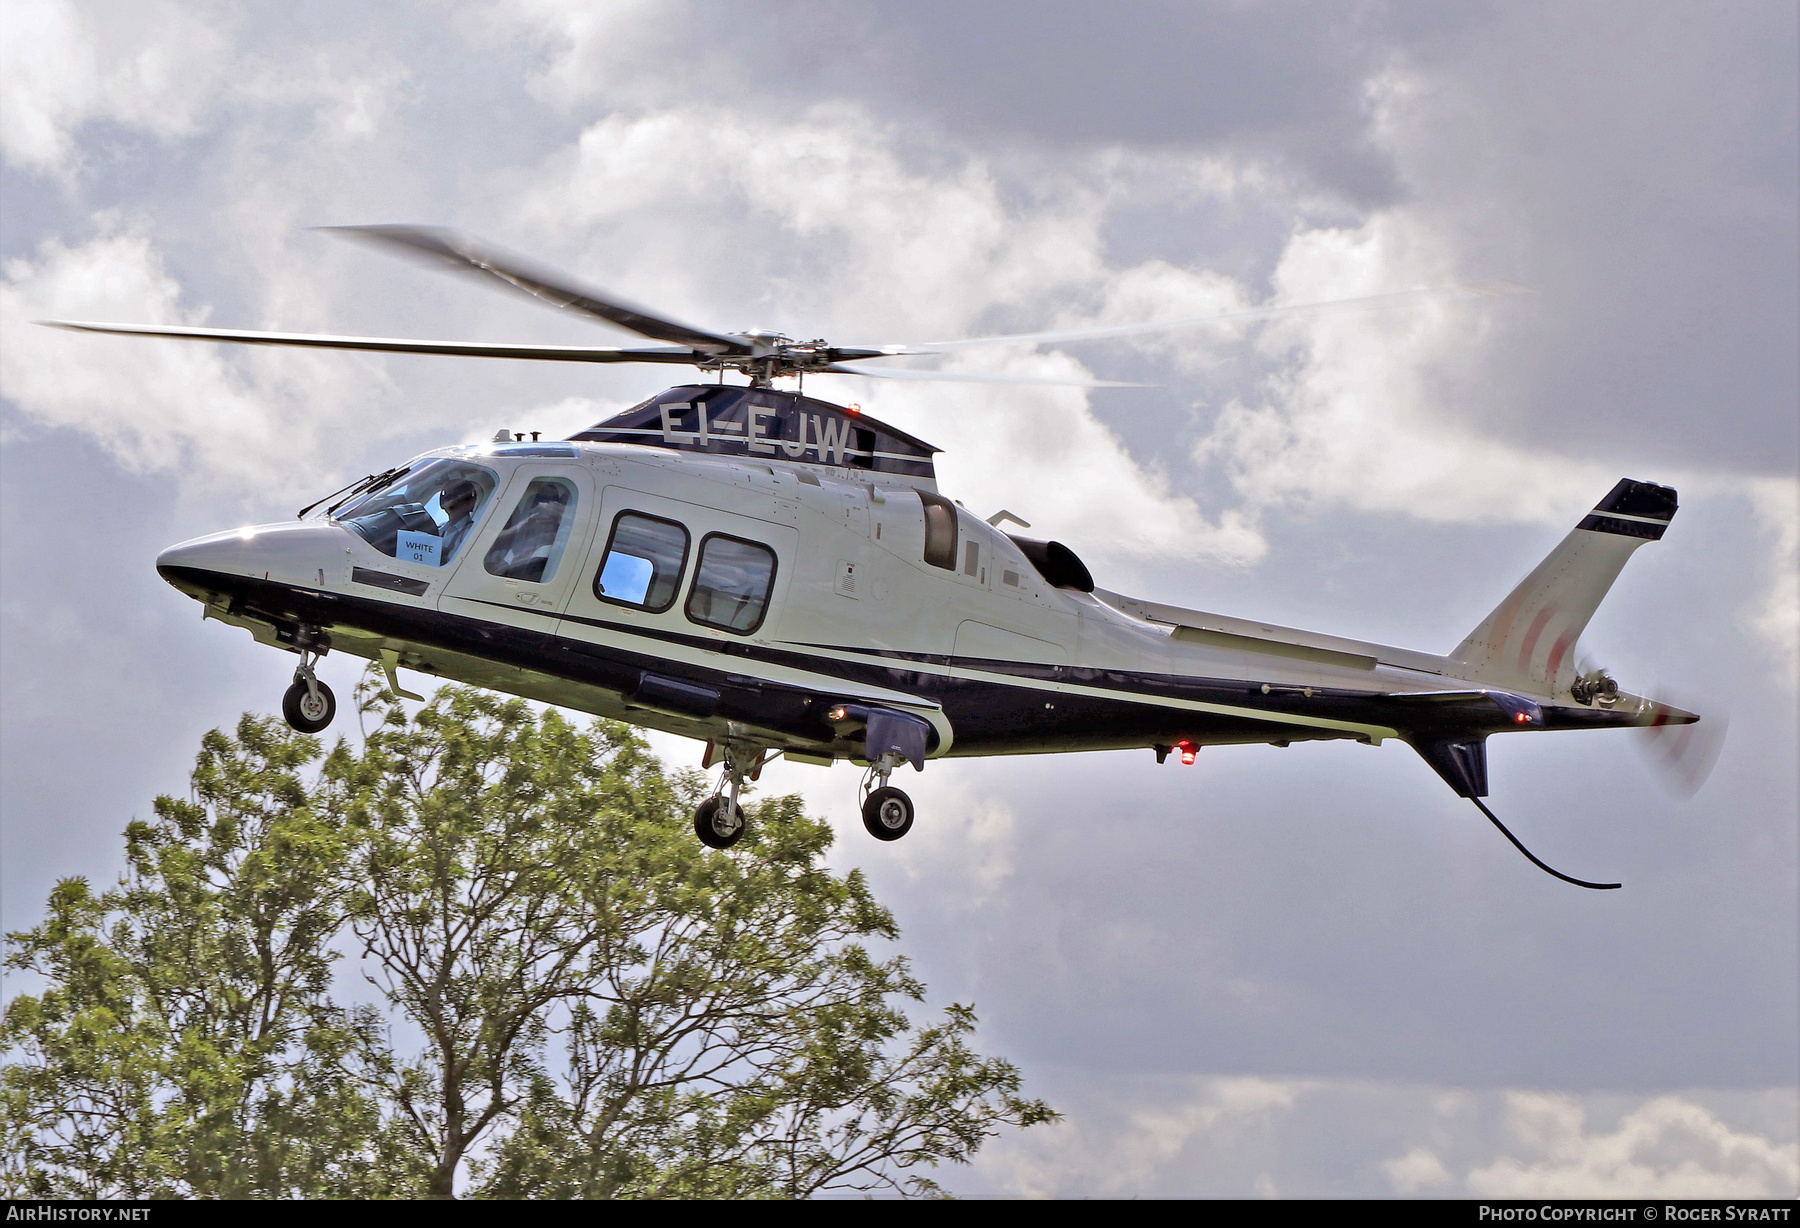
x=718 y=822
x=888 y=813
x=309 y=708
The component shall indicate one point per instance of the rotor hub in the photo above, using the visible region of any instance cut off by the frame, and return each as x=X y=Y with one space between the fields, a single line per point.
x=774 y=355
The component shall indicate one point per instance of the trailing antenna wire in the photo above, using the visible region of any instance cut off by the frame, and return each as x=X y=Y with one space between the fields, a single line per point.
x=1534 y=861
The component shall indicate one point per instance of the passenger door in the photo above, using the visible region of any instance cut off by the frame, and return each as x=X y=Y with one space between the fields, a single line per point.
x=650 y=532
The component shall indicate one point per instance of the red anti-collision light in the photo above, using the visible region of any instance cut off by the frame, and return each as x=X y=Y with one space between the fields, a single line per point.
x=1188 y=750
x=1524 y=718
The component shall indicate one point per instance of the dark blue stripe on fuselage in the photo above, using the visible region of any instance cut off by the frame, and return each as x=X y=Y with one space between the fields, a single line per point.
x=989 y=717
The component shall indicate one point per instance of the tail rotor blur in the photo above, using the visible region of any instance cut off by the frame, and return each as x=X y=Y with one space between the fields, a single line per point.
x=1683 y=754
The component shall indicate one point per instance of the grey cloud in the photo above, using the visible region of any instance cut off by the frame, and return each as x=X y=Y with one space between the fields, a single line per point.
x=1282 y=81
x=1638 y=167
x=1638 y=170
x=1171 y=1135
x=1311 y=914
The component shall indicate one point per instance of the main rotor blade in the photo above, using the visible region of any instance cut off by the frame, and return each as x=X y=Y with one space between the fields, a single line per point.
x=464 y=253
x=1394 y=298
x=953 y=377
x=392 y=345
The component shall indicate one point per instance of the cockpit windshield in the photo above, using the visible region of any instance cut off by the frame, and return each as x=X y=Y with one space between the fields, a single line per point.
x=426 y=514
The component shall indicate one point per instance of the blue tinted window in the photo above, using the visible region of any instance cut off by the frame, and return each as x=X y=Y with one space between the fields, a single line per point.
x=643 y=561
x=625 y=577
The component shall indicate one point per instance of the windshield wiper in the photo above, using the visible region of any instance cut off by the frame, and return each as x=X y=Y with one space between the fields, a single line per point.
x=362 y=486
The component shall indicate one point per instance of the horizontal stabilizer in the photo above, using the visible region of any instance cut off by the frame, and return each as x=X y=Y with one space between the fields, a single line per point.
x=1244 y=634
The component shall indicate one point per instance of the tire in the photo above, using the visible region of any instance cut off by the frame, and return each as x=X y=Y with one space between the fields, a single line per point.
x=888 y=814
x=714 y=814
x=305 y=715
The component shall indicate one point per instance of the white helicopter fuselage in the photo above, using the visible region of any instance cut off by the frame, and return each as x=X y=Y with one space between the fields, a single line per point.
x=997 y=653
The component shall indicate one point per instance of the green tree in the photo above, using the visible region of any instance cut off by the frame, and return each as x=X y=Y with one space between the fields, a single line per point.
x=601 y=1006
x=185 y=1043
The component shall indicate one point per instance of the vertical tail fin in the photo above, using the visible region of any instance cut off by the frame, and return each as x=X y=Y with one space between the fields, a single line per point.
x=1528 y=642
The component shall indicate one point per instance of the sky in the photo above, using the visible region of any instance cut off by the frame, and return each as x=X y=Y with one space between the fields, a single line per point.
x=1306 y=972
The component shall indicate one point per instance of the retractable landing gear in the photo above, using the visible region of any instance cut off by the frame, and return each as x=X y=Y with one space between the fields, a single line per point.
x=309 y=704
x=887 y=812
x=719 y=821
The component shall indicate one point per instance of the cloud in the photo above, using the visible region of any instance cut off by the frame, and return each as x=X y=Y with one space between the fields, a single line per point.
x=352 y=89
x=1667 y=1148
x=153 y=65
x=1357 y=418
x=1242 y=1136
x=1776 y=503
x=156 y=406
x=1417 y=1170
x=160 y=67
x=968 y=846
x=845 y=235
x=1069 y=79
x=588 y=48
x=1369 y=415
x=1125 y=1151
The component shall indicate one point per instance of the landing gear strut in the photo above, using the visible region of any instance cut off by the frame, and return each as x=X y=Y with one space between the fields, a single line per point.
x=309 y=704
x=887 y=812
x=718 y=821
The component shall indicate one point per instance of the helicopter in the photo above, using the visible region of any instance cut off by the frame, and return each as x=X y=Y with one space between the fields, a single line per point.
x=777 y=575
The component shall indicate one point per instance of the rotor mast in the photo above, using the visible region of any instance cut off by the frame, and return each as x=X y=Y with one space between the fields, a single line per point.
x=771 y=356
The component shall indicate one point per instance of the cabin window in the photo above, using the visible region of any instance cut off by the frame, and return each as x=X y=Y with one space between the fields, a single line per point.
x=731 y=584
x=425 y=516
x=940 y=530
x=643 y=561
x=531 y=544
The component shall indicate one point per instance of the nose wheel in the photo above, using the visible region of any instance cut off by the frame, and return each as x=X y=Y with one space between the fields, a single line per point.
x=719 y=821
x=309 y=704
x=888 y=813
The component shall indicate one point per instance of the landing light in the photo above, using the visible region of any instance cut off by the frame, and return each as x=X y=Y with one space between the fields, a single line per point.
x=247 y=532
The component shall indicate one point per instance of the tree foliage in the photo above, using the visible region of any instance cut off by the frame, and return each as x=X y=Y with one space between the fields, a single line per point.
x=572 y=998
